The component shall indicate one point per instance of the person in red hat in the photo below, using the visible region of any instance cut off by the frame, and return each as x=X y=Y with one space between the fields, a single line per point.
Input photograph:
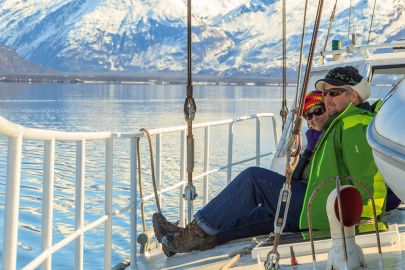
x=201 y=234
x=248 y=204
x=314 y=112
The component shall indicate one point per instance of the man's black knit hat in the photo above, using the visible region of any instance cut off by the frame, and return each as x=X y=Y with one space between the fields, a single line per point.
x=347 y=75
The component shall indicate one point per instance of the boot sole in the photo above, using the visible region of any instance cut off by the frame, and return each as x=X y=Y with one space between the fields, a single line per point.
x=167 y=251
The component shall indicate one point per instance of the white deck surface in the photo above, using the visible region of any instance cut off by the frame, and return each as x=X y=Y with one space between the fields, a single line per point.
x=393 y=256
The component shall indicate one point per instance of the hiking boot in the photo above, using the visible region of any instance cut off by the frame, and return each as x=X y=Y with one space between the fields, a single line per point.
x=190 y=238
x=161 y=226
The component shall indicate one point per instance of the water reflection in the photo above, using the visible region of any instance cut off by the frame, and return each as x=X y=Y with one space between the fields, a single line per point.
x=115 y=107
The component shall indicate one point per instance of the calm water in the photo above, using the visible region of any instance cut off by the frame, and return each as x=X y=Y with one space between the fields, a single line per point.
x=114 y=107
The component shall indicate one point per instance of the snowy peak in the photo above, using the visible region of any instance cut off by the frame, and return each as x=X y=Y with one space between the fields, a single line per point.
x=229 y=36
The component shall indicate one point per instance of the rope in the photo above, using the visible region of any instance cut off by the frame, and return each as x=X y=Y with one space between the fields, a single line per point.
x=331 y=20
x=371 y=23
x=152 y=168
x=140 y=184
x=237 y=254
x=273 y=257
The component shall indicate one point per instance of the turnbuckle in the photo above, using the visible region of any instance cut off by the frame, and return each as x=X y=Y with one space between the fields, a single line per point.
x=189 y=108
x=284 y=114
x=284 y=111
x=190 y=153
x=283 y=200
x=273 y=257
x=272 y=260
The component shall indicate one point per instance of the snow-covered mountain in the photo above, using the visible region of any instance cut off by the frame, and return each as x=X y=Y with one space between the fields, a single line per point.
x=229 y=36
x=11 y=63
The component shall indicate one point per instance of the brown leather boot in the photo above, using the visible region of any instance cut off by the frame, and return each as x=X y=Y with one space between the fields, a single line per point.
x=161 y=227
x=189 y=239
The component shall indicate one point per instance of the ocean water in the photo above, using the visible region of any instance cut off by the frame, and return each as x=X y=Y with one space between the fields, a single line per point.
x=123 y=108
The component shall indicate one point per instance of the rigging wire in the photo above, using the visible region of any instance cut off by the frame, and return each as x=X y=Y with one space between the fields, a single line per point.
x=371 y=23
x=284 y=108
x=354 y=37
x=331 y=20
x=301 y=54
x=351 y=31
x=310 y=55
x=273 y=257
x=189 y=114
x=350 y=24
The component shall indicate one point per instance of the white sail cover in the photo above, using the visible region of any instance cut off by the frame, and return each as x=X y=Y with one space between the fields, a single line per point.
x=386 y=135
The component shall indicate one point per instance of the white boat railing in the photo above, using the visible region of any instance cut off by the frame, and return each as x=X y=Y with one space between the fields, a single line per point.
x=17 y=134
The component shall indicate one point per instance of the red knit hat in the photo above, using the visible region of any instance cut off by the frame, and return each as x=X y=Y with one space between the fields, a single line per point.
x=313 y=98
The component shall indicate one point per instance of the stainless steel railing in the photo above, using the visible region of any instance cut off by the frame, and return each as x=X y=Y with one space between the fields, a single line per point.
x=17 y=134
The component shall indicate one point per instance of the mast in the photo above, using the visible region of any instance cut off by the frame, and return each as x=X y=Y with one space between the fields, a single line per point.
x=189 y=114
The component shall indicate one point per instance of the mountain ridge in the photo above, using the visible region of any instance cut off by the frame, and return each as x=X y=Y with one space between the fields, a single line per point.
x=230 y=37
x=12 y=63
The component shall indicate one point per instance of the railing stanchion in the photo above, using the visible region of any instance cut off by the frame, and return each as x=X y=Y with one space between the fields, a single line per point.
x=108 y=204
x=79 y=201
x=47 y=203
x=158 y=165
x=12 y=202
x=258 y=141
x=206 y=161
x=182 y=176
x=230 y=152
x=134 y=211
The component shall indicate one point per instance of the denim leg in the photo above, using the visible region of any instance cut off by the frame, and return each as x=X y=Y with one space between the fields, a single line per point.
x=252 y=187
x=260 y=220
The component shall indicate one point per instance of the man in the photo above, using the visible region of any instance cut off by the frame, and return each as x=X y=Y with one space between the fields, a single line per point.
x=344 y=141
x=348 y=153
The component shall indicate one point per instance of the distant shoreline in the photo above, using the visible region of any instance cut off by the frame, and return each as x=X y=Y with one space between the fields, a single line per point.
x=138 y=79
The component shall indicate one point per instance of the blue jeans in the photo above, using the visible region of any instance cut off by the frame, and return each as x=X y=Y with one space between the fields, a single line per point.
x=247 y=206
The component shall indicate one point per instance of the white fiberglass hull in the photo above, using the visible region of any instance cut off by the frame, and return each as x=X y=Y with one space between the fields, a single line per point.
x=386 y=136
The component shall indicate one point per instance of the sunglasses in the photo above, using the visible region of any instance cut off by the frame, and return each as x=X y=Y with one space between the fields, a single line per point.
x=334 y=92
x=309 y=116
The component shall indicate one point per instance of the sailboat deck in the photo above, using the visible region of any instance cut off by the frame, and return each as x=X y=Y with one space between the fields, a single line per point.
x=217 y=258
